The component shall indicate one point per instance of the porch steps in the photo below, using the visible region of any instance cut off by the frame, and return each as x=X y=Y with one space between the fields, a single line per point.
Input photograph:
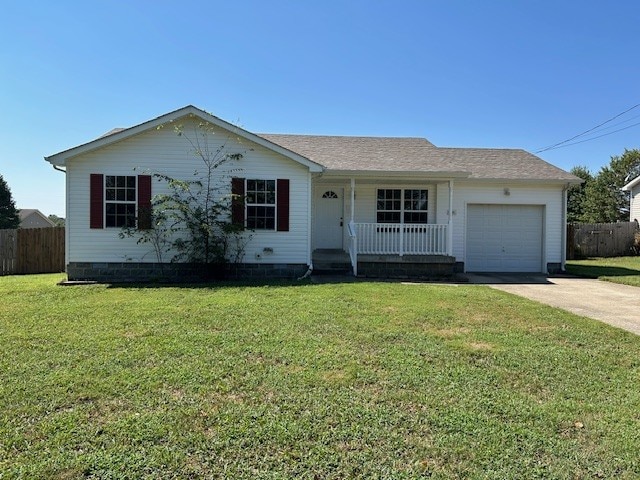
x=331 y=262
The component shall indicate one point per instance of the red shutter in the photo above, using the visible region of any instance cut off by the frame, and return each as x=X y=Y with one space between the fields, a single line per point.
x=237 y=201
x=144 y=202
x=283 y=205
x=96 y=200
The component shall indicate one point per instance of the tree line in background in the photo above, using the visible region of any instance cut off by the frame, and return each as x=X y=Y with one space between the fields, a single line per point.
x=599 y=199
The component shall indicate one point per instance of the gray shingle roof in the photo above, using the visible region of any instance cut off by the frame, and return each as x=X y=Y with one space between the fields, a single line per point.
x=397 y=154
x=25 y=212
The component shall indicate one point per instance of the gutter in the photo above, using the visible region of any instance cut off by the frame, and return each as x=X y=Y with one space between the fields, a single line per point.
x=439 y=174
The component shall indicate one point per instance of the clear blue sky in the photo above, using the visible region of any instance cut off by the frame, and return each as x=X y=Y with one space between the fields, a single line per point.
x=506 y=73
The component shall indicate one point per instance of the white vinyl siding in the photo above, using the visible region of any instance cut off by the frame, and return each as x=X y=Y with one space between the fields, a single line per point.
x=163 y=151
x=634 y=214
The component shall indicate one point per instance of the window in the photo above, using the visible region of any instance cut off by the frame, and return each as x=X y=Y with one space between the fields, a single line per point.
x=402 y=206
x=120 y=201
x=330 y=194
x=415 y=206
x=389 y=205
x=261 y=204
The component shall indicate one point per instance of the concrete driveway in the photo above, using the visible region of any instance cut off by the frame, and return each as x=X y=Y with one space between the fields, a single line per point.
x=617 y=305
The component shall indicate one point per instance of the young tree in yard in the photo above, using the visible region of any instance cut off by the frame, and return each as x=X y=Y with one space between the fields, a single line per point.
x=577 y=194
x=193 y=221
x=8 y=213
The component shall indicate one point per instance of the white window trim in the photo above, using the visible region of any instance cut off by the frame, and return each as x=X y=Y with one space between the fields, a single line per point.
x=402 y=209
x=274 y=205
x=128 y=202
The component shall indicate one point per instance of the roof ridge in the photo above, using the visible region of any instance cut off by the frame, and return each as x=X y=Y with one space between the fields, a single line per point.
x=341 y=136
x=501 y=149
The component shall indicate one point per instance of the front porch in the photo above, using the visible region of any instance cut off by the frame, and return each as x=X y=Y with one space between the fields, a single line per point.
x=400 y=227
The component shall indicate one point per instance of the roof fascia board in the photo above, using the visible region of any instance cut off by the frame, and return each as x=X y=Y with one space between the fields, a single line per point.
x=631 y=184
x=396 y=174
x=526 y=181
x=454 y=175
x=59 y=159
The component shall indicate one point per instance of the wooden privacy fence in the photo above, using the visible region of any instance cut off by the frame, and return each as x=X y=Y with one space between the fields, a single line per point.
x=32 y=250
x=601 y=239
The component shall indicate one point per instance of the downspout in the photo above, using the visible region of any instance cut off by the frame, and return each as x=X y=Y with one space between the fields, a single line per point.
x=450 y=226
x=563 y=249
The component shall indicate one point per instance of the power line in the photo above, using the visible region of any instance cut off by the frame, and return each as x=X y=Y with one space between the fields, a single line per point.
x=559 y=144
x=589 y=139
x=614 y=125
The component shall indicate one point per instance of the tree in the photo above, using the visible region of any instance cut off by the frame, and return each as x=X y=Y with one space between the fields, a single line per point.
x=58 y=221
x=601 y=199
x=9 y=217
x=620 y=171
x=577 y=194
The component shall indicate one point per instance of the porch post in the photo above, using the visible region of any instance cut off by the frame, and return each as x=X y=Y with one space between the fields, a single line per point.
x=450 y=226
x=353 y=197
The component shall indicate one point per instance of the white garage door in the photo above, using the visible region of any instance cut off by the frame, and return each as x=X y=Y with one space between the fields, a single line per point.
x=504 y=238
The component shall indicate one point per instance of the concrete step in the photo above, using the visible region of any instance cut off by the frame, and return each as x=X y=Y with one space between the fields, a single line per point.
x=331 y=262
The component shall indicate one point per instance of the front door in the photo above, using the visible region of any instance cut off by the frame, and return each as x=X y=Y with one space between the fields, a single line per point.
x=329 y=220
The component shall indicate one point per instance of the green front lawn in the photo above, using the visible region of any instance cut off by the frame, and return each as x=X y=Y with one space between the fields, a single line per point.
x=625 y=270
x=360 y=380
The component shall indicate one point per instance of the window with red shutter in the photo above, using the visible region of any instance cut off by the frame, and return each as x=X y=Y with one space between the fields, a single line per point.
x=115 y=200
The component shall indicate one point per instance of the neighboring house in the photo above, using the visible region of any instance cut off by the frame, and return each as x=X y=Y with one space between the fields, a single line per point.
x=33 y=218
x=390 y=205
x=633 y=187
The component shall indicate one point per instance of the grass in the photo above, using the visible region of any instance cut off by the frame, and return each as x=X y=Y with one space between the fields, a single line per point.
x=625 y=270
x=362 y=380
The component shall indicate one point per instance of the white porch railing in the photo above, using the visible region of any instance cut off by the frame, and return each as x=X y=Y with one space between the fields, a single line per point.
x=399 y=239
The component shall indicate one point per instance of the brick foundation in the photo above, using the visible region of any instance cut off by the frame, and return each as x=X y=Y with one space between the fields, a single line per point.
x=554 y=268
x=113 y=272
x=432 y=267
